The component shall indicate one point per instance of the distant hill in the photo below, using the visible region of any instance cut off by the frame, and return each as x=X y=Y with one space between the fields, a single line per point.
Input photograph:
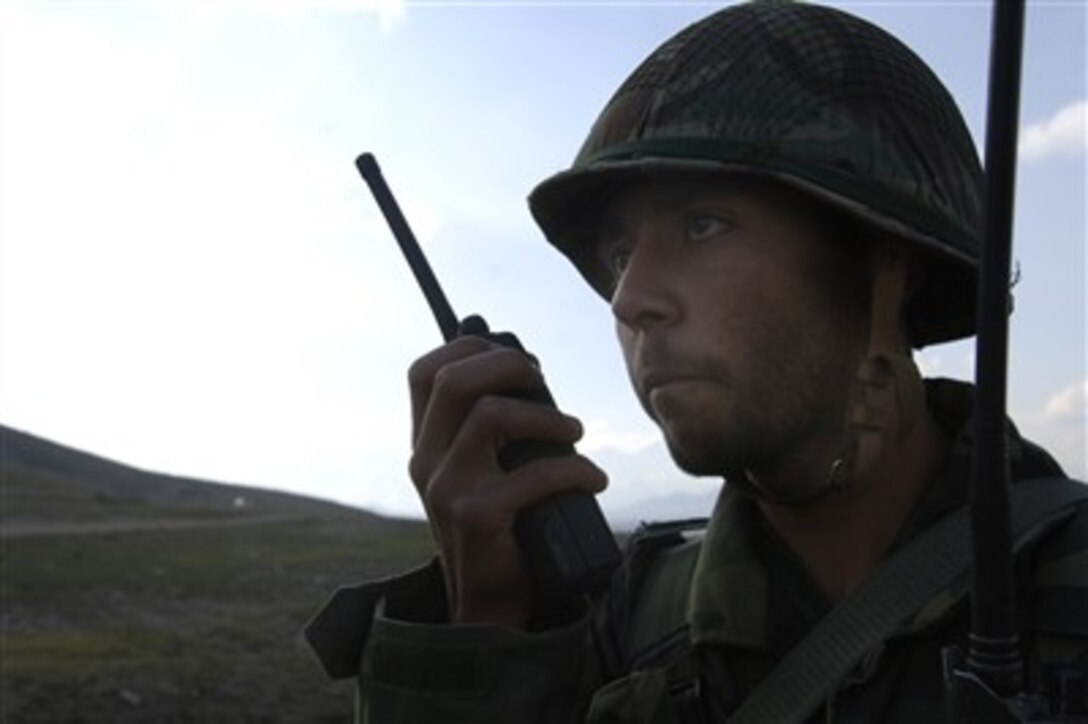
x=132 y=596
x=33 y=468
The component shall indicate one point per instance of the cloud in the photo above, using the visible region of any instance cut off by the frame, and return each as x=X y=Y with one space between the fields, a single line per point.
x=1059 y=425
x=1069 y=404
x=202 y=15
x=1064 y=133
x=388 y=11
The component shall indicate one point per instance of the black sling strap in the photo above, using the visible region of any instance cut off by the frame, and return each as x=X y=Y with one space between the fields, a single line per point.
x=898 y=588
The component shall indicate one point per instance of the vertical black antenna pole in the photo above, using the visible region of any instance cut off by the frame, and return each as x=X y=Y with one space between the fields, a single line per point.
x=993 y=653
x=440 y=306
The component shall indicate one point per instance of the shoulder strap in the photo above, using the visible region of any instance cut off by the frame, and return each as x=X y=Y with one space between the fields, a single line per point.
x=645 y=570
x=659 y=607
x=1059 y=591
x=1056 y=599
x=902 y=584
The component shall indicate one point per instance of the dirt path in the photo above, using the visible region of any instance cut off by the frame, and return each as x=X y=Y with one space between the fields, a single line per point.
x=27 y=529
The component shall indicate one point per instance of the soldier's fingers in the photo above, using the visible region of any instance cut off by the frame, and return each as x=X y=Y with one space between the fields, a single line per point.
x=470 y=458
x=547 y=476
x=491 y=511
x=459 y=386
x=422 y=372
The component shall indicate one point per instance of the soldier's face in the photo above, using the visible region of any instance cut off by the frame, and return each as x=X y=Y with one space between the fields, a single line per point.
x=741 y=322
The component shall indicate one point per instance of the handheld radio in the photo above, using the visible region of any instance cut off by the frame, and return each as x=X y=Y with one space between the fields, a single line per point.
x=567 y=544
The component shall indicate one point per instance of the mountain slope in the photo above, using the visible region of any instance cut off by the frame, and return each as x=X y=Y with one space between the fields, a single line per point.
x=44 y=480
x=130 y=596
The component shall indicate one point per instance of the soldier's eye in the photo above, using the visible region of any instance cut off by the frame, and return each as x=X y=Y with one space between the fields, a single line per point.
x=618 y=258
x=701 y=227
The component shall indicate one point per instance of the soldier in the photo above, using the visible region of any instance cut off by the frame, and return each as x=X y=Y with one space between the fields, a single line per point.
x=779 y=204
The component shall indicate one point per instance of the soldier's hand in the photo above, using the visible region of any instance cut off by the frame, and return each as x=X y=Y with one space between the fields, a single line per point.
x=460 y=420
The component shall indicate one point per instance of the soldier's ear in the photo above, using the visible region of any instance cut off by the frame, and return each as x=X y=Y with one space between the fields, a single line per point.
x=888 y=395
x=898 y=274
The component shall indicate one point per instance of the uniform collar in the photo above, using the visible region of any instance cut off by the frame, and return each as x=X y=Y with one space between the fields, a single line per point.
x=728 y=601
x=728 y=564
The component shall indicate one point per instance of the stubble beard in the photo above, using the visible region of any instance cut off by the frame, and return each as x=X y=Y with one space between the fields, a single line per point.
x=723 y=448
x=758 y=430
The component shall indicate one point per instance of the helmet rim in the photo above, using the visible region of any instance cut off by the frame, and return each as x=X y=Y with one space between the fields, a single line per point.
x=943 y=309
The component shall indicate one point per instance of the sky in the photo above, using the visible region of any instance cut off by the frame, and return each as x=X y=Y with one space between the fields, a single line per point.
x=195 y=280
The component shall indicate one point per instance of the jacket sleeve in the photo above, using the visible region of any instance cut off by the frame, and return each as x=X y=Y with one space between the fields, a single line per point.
x=414 y=667
x=416 y=672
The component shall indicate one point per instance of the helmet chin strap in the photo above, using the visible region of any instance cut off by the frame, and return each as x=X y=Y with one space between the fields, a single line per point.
x=887 y=396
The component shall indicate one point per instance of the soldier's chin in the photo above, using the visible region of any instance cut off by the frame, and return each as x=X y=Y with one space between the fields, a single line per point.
x=699 y=458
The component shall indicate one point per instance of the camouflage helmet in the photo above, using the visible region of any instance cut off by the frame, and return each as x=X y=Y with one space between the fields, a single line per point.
x=813 y=98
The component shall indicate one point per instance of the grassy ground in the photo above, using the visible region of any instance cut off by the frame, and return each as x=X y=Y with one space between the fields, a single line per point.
x=199 y=625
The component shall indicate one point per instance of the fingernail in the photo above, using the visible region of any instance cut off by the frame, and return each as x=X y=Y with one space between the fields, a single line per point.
x=575 y=424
